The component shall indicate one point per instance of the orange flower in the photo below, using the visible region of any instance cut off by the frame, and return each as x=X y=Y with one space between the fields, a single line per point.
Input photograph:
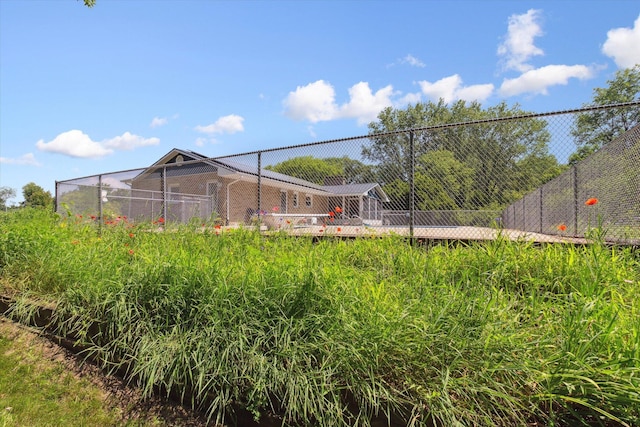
x=331 y=214
x=562 y=227
x=339 y=229
x=592 y=201
x=217 y=227
x=131 y=235
x=338 y=209
x=130 y=251
x=161 y=220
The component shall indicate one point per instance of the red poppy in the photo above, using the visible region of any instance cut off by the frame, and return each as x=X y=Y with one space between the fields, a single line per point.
x=93 y=217
x=339 y=229
x=562 y=227
x=592 y=201
x=331 y=214
x=131 y=235
x=217 y=227
x=338 y=209
x=161 y=220
x=130 y=251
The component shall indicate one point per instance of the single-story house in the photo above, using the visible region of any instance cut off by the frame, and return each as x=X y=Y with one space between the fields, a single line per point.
x=183 y=185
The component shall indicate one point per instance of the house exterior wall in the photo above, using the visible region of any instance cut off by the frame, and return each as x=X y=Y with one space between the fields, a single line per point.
x=187 y=198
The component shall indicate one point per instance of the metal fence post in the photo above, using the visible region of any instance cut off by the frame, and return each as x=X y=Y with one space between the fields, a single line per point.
x=55 y=201
x=164 y=194
x=259 y=190
x=575 y=200
x=412 y=198
x=540 y=206
x=100 y=208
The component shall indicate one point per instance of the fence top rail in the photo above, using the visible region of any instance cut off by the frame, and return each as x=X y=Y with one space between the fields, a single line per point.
x=376 y=135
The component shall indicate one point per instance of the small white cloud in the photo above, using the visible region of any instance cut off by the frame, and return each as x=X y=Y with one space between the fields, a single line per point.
x=26 y=160
x=200 y=142
x=518 y=46
x=451 y=89
x=413 y=61
x=224 y=125
x=312 y=131
x=314 y=102
x=539 y=80
x=128 y=142
x=75 y=143
x=623 y=45
x=158 y=121
x=363 y=105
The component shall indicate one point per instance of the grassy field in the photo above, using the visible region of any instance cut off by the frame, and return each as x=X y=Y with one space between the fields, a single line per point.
x=341 y=332
x=35 y=391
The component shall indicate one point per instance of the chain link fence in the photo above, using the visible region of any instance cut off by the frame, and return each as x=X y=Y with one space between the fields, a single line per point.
x=455 y=181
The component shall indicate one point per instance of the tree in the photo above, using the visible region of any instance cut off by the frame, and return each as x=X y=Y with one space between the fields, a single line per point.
x=36 y=196
x=486 y=158
x=6 y=193
x=594 y=129
x=317 y=170
x=89 y=3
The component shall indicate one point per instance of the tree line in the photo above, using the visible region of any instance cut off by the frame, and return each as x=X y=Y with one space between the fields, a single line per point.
x=479 y=163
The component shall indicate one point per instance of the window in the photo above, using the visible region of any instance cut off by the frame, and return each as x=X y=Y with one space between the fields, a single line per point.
x=212 y=192
x=295 y=200
x=308 y=200
x=283 y=201
x=173 y=191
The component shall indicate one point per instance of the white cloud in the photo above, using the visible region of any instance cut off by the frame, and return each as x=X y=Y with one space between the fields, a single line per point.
x=410 y=98
x=451 y=89
x=227 y=124
x=26 y=159
x=537 y=81
x=200 y=142
x=623 y=45
x=364 y=105
x=128 y=142
x=518 y=46
x=158 y=121
x=314 y=102
x=75 y=143
x=413 y=61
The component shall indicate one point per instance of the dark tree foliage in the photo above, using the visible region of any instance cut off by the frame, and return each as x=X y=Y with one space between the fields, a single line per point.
x=467 y=166
x=594 y=129
x=317 y=170
x=35 y=196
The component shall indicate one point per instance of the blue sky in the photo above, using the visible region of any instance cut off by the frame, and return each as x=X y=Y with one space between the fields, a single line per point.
x=86 y=91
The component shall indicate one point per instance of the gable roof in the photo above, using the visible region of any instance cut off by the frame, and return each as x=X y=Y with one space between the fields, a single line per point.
x=244 y=171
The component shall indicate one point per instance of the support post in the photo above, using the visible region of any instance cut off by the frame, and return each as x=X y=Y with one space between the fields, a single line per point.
x=411 y=186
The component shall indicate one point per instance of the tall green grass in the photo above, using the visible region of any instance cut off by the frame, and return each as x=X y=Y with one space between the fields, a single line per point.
x=341 y=332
